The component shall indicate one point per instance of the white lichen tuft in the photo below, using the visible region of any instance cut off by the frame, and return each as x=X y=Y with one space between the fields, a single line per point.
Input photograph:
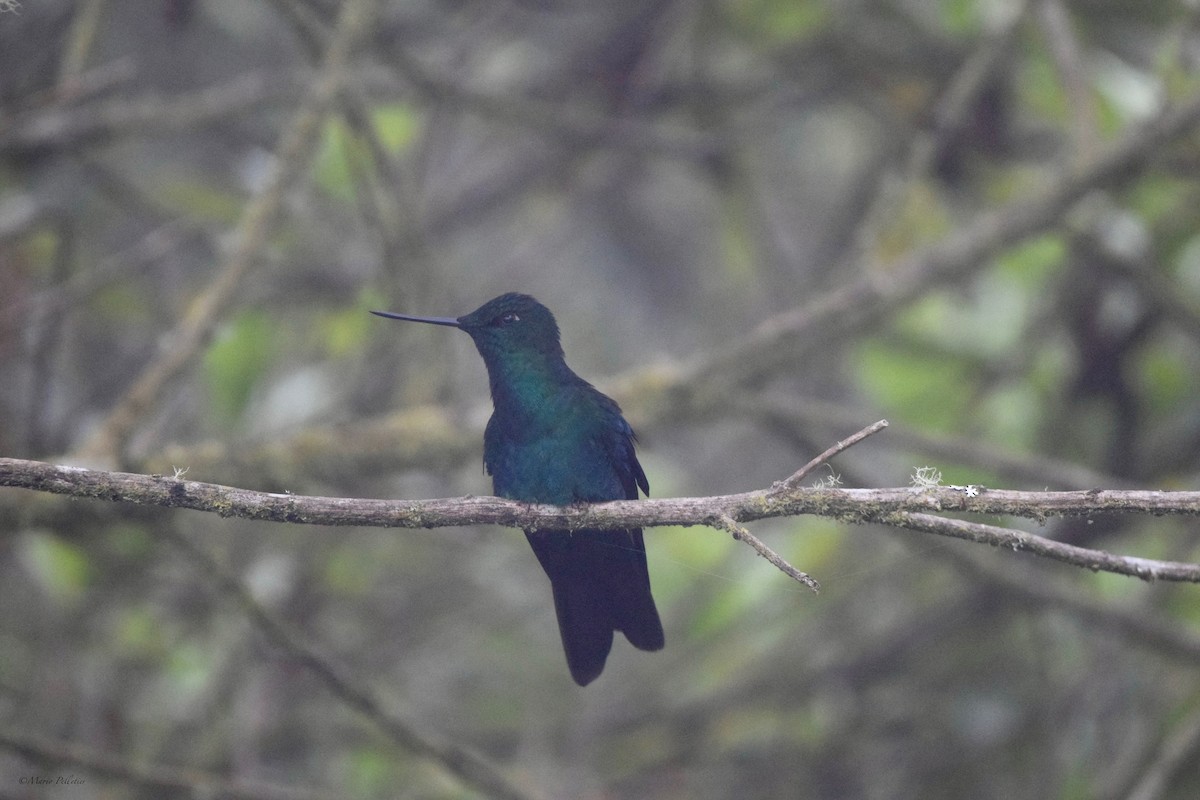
x=926 y=478
x=830 y=481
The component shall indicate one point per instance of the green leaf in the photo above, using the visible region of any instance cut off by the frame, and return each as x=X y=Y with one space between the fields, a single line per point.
x=961 y=16
x=781 y=21
x=340 y=149
x=370 y=773
x=197 y=200
x=346 y=330
x=331 y=166
x=1031 y=263
x=139 y=633
x=1040 y=86
x=688 y=552
x=237 y=359
x=730 y=603
x=924 y=388
x=396 y=126
x=61 y=568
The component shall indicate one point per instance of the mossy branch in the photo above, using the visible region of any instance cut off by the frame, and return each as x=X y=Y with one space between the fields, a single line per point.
x=917 y=509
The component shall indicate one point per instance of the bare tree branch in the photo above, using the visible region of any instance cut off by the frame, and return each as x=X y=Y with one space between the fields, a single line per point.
x=1095 y=560
x=726 y=522
x=848 y=505
x=66 y=126
x=907 y=508
x=794 y=481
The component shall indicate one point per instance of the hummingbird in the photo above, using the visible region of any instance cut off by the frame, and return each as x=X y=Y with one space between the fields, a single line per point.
x=554 y=438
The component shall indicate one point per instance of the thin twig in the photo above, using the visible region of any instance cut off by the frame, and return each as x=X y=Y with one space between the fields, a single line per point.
x=725 y=522
x=793 y=482
x=805 y=414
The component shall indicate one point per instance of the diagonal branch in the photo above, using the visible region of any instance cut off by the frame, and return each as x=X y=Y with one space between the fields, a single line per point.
x=883 y=291
x=793 y=482
x=1095 y=560
x=465 y=764
x=187 y=341
x=727 y=523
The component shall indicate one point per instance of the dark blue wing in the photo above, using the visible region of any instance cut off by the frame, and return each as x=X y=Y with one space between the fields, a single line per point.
x=618 y=442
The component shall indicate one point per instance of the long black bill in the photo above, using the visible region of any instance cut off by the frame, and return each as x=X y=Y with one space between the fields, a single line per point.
x=451 y=321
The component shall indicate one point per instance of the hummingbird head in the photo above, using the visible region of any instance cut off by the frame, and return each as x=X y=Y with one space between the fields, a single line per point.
x=509 y=326
x=513 y=323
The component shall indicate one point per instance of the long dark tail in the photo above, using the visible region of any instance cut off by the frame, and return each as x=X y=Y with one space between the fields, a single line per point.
x=601 y=585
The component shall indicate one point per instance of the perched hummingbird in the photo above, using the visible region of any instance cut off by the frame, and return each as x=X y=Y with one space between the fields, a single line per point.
x=553 y=438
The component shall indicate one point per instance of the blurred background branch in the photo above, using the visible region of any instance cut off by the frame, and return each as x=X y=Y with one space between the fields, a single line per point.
x=51 y=755
x=462 y=763
x=195 y=329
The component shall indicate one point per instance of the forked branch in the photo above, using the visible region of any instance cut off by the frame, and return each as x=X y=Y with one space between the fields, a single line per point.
x=909 y=508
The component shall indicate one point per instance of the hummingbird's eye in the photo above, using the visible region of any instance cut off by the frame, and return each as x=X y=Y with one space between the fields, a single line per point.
x=507 y=319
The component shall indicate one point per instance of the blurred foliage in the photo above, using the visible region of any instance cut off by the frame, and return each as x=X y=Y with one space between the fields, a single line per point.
x=235 y=362
x=780 y=23
x=61 y=569
x=194 y=199
x=344 y=332
x=666 y=176
x=339 y=162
